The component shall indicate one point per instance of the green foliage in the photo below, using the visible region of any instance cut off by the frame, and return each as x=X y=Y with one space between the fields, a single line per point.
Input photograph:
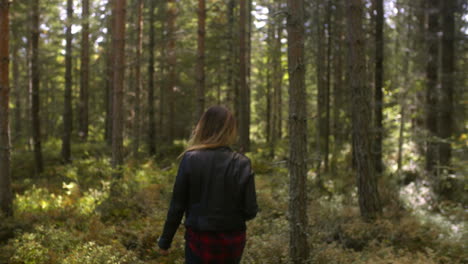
x=92 y=253
x=44 y=245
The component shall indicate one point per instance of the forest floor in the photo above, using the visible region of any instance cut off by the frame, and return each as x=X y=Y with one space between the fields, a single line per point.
x=66 y=216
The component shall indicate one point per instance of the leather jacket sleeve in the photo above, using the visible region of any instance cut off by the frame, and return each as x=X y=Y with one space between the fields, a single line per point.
x=250 y=199
x=178 y=205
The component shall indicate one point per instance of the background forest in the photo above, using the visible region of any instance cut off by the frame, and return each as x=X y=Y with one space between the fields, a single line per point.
x=353 y=112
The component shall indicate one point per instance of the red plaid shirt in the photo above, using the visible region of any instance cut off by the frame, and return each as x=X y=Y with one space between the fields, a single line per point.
x=215 y=247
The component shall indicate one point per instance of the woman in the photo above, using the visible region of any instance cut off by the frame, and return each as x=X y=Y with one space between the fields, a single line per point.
x=215 y=189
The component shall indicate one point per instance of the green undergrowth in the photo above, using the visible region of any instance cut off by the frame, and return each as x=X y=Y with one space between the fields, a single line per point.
x=67 y=215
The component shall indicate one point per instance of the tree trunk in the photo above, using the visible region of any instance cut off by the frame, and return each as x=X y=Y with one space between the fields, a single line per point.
x=448 y=69
x=277 y=79
x=231 y=59
x=109 y=79
x=326 y=125
x=6 y=196
x=118 y=45
x=322 y=96
x=431 y=87
x=151 y=107
x=138 y=86
x=67 y=112
x=171 y=61
x=18 y=103
x=337 y=85
x=201 y=59
x=244 y=126
x=35 y=81
x=84 y=84
x=298 y=224
x=162 y=13
x=369 y=201
x=270 y=96
x=378 y=79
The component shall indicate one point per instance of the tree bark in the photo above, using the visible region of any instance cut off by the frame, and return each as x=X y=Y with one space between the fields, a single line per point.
x=448 y=69
x=171 y=62
x=109 y=79
x=201 y=59
x=67 y=110
x=322 y=97
x=431 y=87
x=118 y=45
x=35 y=81
x=244 y=126
x=17 y=92
x=378 y=79
x=298 y=224
x=337 y=85
x=231 y=99
x=151 y=107
x=151 y=111
x=369 y=201
x=6 y=195
x=162 y=13
x=84 y=80
x=138 y=86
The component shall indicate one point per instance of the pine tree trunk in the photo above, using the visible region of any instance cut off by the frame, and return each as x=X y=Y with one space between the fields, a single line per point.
x=171 y=62
x=448 y=69
x=326 y=125
x=337 y=85
x=35 y=81
x=6 y=196
x=369 y=201
x=84 y=84
x=67 y=112
x=431 y=87
x=138 y=86
x=298 y=224
x=230 y=95
x=118 y=45
x=151 y=107
x=277 y=79
x=109 y=79
x=201 y=59
x=18 y=103
x=162 y=13
x=322 y=140
x=244 y=126
x=378 y=79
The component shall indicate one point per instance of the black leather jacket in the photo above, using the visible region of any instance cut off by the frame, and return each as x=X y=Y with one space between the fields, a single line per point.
x=215 y=188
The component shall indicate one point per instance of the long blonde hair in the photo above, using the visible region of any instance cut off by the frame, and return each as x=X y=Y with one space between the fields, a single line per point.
x=217 y=127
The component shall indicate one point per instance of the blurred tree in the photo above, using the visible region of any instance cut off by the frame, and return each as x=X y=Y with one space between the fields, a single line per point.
x=118 y=46
x=431 y=86
x=445 y=130
x=201 y=59
x=171 y=63
x=6 y=196
x=378 y=85
x=84 y=80
x=67 y=110
x=138 y=80
x=151 y=103
x=34 y=88
x=244 y=126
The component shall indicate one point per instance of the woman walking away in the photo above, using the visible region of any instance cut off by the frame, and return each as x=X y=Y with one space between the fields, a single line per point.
x=215 y=189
